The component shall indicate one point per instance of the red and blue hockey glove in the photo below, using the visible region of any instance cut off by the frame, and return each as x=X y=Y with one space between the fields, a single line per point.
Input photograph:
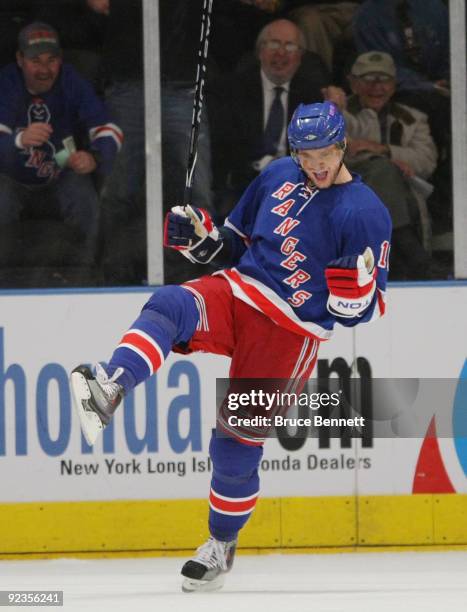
x=192 y=232
x=352 y=283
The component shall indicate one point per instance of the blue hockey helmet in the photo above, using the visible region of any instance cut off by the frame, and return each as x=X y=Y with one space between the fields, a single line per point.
x=314 y=126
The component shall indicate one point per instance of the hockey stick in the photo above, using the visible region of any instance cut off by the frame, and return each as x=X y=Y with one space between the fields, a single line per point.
x=198 y=100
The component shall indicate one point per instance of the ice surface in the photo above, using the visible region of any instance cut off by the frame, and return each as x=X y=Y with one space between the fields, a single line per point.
x=363 y=582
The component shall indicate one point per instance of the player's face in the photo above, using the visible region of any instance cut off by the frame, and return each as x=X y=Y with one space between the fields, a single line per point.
x=374 y=90
x=322 y=166
x=40 y=72
x=280 y=53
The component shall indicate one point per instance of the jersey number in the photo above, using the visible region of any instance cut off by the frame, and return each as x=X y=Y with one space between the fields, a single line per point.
x=384 y=255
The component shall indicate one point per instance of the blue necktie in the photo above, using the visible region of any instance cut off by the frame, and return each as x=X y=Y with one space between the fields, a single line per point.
x=274 y=125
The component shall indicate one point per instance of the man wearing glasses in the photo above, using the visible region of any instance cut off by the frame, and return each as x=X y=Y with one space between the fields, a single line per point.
x=391 y=146
x=263 y=95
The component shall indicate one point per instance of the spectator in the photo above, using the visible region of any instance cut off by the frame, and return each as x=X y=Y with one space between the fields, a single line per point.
x=54 y=134
x=416 y=34
x=390 y=145
x=236 y=24
x=262 y=98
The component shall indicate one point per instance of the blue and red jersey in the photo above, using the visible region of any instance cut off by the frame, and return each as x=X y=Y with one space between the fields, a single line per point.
x=71 y=107
x=286 y=232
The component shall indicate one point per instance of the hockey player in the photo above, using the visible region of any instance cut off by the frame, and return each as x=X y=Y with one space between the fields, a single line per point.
x=306 y=246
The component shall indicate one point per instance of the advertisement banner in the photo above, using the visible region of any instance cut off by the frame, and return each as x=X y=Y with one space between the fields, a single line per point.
x=157 y=446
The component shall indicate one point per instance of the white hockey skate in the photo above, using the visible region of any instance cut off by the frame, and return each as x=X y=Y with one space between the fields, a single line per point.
x=95 y=398
x=206 y=571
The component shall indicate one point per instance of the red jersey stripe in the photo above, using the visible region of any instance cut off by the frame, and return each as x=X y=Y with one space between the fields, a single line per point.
x=108 y=127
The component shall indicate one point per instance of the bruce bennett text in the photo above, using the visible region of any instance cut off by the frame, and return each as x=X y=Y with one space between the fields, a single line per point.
x=280 y=421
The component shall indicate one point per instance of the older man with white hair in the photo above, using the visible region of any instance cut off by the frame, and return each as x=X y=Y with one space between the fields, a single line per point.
x=262 y=97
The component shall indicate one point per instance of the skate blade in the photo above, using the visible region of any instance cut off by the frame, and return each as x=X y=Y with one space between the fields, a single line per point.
x=190 y=585
x=91 y=425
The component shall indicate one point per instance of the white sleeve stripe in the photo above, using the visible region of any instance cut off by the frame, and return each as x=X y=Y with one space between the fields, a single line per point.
x=111 y=134
x=108 y=130
x=230 y=225
x=4 y=129
x=18 y=139
x=109 y=126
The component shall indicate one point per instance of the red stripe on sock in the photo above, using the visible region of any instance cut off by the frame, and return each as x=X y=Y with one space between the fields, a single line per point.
x=232 y=506
x=145 y=346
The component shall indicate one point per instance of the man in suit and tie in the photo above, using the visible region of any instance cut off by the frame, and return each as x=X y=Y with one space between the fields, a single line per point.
x=262 y=96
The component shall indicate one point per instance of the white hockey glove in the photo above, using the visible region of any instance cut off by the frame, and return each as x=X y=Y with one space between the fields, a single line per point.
x=352 y=283
x=192 y=232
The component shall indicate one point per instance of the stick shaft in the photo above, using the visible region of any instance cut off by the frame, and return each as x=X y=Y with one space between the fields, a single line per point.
x=198 y=99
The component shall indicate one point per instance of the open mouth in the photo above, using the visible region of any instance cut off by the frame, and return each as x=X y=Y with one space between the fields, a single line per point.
x=320 y=176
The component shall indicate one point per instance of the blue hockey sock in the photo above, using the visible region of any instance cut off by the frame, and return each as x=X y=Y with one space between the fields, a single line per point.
x=170 y=316
x=234 y=486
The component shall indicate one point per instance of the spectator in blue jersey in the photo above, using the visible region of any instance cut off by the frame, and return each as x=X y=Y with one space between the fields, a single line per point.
x=305 y=248
x=55 y=134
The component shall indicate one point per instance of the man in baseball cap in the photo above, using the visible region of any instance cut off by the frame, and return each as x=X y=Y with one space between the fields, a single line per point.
x=373 y=79
x=39 y=56
x=389 y=144
x=37 y=38
x=48 y=110
x=374 y=62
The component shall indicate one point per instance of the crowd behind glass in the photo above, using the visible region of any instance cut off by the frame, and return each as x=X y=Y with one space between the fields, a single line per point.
x=72 y=123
